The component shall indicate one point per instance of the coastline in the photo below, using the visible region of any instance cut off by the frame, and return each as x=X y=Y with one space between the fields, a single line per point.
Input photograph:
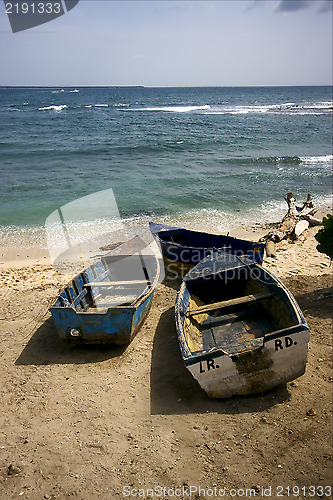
x=88 y=421
x=28 y=246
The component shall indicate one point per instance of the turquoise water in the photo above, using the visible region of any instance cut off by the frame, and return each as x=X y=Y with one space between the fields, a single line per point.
x=202 y=156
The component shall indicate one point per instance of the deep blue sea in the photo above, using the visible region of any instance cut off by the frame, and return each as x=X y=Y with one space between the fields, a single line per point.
x=202 y=157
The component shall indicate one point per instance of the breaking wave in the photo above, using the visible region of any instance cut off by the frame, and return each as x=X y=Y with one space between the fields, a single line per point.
x=286 y=108
x=55 y=108
x=173 y=109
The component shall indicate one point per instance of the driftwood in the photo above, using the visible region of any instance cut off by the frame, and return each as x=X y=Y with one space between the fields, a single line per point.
x=293 y=224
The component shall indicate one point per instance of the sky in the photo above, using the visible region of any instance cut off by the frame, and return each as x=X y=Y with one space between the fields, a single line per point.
x=173 y=43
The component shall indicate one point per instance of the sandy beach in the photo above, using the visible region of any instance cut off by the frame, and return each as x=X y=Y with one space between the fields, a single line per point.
x=115 y=422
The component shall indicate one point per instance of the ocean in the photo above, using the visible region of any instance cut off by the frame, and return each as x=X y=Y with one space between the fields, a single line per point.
x=213 y=158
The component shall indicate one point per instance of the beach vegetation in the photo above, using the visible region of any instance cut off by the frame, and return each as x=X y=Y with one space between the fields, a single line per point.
x=325 y=236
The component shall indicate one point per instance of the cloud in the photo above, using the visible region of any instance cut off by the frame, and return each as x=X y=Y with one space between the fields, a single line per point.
x=326 y=5
x=294 y=5
x=254 y=4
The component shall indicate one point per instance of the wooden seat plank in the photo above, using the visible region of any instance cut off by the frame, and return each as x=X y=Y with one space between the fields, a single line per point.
x=231 y=302
x=115 y=283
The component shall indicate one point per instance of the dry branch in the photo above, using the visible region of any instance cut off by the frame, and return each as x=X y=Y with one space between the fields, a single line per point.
x=293 y=223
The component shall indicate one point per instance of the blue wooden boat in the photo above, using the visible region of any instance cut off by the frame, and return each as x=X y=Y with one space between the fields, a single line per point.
x=108 y=301
x=240 y=330
x=182 y=248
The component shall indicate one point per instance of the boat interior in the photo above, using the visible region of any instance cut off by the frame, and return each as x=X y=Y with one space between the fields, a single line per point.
x=113 y=281
x=235 y=313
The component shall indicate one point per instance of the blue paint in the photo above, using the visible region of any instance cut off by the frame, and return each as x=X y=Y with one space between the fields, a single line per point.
x=190 y=247
x=76 y=307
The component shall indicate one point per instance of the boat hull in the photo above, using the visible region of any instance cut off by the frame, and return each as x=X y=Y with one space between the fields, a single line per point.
x=246 y=344
x=183 y=249
x=253 y=371
x=117 y=325
x=108 y=301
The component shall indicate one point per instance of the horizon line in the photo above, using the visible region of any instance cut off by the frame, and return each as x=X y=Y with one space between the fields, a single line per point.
x=166 y=86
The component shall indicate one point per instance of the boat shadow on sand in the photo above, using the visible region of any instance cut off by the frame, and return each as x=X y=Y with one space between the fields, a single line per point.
x=45 y=348
x=317 y=303
x=173 y=390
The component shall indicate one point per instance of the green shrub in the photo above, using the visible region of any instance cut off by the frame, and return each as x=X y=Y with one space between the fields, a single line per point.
x=325 y=237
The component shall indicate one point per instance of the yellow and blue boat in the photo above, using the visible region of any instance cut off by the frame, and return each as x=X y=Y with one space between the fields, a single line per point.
x=240 y=330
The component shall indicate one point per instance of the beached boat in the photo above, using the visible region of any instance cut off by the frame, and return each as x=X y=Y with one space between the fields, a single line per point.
x=182 y=248
x=108 y=301
x=239 y=328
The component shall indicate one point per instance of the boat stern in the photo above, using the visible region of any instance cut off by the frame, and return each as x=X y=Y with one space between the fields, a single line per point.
x=281 y=359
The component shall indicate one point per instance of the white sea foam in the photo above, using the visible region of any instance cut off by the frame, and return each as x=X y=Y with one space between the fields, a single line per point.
x=286 y=108
x=76 y=90
x=321 y=105
x=237 y=110
x=317 y=159
x=174 y=109
x=96 y=105
x=211 y=220
x=55 y=108
x=18 y=237
x=300 y=113
x=105 y=230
